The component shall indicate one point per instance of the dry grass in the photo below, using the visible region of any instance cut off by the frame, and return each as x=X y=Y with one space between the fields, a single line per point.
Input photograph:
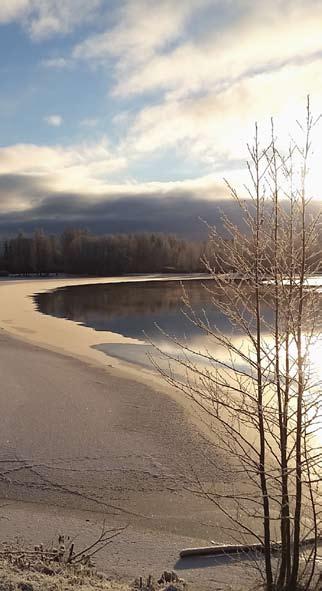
x=49 y=569
x=60 y=578
x=53 y=569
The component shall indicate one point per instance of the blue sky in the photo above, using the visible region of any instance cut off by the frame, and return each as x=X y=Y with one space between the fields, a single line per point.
x=104 y=100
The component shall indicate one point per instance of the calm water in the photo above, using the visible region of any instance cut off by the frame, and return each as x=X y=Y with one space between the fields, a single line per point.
x=133 y=310
x=137 y=309
x=130 y=309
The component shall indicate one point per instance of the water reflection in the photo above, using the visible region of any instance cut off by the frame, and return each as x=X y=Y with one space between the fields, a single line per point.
x=137 y=309
x=130 y=309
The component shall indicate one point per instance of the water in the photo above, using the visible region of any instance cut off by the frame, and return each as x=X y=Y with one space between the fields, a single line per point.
x=130 y=309
x=137 y=310
x=145 y=311
x=154 y=312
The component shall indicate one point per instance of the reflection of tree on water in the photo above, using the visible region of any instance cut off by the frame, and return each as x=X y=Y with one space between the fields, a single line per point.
x=123 y=299
x=128 y=308
x=133 y=308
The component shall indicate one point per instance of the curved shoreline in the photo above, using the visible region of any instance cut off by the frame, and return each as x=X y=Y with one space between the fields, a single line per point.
x=79 y=440
x=55 y=378
x=79 y=444
x=19 y=318
x=91 y=439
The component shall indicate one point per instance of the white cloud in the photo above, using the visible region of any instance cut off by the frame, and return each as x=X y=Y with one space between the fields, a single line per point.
x=84 y=170
x=83 y=167
x=50 y=17
x=212 y=130
x=212 y=67
x=249 y=60
x=54 y=120
x=267 y=36
x=58 y=63
x=143 y=27
x=89 y=122
x=155 y=48
x=13 y=9
x=44 y=18
x=224 y=119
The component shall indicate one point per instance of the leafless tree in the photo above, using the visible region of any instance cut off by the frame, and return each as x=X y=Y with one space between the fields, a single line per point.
x=256 y=386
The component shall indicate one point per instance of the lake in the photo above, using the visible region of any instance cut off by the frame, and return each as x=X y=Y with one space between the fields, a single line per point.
x=145 y=311
x=135 y=310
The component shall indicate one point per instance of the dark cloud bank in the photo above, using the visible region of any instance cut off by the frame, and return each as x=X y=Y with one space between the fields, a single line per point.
x=175 y=212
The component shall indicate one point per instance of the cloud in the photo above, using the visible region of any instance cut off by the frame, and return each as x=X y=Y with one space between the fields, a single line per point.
x=173 y=208
x=54 y=120
x=45 y=18
x=89 y=122
x=13 y=10
x=78 y=167
x=216 y=126
x=28 y=202
x=58 y=63
x=51 y=187
x=157 y=48
x=206 y=70
x=143 y=26
x=188 y=78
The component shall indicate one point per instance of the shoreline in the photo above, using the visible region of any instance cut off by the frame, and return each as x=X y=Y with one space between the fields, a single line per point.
x=20 y=319
x=51 y=372
x=80 y=442
x=135 y=553
x=85 y=437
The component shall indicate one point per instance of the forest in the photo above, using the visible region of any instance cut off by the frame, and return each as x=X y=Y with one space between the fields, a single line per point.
x=77 y=251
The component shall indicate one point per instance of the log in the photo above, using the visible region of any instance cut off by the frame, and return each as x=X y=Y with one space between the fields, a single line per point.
x=220 y=550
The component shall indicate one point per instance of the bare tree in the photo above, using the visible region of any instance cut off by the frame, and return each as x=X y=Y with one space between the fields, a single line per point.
x=256 y=385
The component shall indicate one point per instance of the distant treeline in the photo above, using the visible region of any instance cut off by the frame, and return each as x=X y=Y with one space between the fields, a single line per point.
x=82 y=253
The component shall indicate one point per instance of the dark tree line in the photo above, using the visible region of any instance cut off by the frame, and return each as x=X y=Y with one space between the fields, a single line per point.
x=79 y=252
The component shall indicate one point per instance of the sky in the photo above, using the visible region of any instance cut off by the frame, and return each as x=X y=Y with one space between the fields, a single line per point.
x=126 y=115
